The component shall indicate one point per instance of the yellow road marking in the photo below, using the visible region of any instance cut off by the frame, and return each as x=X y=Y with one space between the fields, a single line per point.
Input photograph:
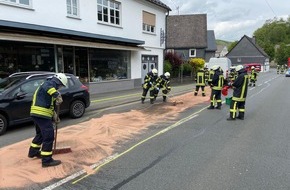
x=193 y=115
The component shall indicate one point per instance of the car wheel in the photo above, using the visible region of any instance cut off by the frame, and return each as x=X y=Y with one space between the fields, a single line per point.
x=3 y=124
x=77 y=109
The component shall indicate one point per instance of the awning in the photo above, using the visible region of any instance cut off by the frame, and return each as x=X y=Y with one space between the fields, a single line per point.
x=67 y=42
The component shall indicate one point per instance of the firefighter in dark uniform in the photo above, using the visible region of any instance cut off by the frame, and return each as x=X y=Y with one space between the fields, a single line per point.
x=253 y=76
x=206 y=74
x=240 y=87
x=43 y=114
x=163 y=83
x=278 y=69
x=232 y=75
x=216 y=88
x=210 y=75
x=150 y=81
x=200 y=82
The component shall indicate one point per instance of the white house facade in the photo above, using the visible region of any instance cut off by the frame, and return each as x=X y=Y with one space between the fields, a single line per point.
x=110 y=45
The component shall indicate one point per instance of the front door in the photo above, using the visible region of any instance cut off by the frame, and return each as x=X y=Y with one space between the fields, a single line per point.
x=147 y=67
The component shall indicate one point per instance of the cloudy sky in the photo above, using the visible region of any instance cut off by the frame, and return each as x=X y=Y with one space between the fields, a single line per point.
x=231 y=19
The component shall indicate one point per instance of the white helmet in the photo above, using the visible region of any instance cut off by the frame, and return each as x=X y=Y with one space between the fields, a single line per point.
x=62 y=78
x=239 y=67
x=252 y=67
x=215 y=67
x=167 y=75
x=154 y=71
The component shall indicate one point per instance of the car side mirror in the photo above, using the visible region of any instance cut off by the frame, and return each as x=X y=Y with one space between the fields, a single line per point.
x=20 y=95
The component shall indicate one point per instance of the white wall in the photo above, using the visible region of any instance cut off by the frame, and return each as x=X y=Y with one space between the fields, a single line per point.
x=53 y=13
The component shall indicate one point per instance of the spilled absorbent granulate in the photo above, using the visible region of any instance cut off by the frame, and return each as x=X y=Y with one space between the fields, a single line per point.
x=90 y=141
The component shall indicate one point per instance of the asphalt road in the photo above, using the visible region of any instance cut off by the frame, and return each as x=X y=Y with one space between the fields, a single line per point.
x=205 y=151
x=101 y=104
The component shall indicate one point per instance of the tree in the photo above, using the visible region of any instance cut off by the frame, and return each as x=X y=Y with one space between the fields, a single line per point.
x=274 y=32
x=196 y=63
x=175 y=61
x=282 y=54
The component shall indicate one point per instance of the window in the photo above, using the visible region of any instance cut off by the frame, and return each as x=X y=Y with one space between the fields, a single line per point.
x=192 y=52
x=21 y=3
x=149 y=22
x=109 y=11
x=108 y=65
x=72 y=8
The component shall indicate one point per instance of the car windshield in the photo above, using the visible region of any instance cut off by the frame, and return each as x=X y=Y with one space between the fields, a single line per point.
x=7 y=82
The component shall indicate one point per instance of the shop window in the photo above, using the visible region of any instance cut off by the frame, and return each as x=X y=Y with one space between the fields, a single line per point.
x=108 y=65
x=108 y=11
x=73 y=8
x=20 y=3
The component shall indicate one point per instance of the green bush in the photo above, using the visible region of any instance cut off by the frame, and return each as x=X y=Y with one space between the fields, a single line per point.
x=167 y=67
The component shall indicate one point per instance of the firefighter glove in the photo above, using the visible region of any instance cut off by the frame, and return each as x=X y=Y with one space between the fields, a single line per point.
x=58 y=100
x=55 y=118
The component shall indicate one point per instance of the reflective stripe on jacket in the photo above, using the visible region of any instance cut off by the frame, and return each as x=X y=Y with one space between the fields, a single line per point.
x=241 y=87
x=218 y=81
x=43 y=100
x=200 y=78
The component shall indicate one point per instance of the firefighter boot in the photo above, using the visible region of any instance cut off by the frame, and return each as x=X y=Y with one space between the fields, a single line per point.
x=241 y=116
x=195 y=93
x=231 y=118
x=51 y=163
x=151 y=100
x=164 y=98
x=219 y=105
x=203 y=94
x=142 y=100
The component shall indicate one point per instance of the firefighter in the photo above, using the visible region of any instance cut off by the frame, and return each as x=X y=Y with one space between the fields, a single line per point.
x=43 y=115
x=232 y=75
x=278 y=69
x=216 y=87
x=210 y=75
x=282 y=69
x=200 y=82
x=240 y=87
x=150 y=81
x=253 y=76
x=163 y=83
x=206 y=74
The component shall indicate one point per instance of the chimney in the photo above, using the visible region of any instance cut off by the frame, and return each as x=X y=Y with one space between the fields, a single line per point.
x=254 y=39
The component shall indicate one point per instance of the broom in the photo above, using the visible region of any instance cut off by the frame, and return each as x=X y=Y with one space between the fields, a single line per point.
x=61 y=150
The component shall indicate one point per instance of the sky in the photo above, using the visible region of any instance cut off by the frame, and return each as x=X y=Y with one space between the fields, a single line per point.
x=232 y=19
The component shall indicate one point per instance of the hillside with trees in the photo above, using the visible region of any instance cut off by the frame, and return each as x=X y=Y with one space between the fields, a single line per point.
x=274 y=38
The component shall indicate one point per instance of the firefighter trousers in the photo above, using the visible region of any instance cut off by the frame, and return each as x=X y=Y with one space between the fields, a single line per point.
x=43 y=140
x=237 y=108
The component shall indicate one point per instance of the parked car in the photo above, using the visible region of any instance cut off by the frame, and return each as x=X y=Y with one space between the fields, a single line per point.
x=287 y=74
x=16 y=92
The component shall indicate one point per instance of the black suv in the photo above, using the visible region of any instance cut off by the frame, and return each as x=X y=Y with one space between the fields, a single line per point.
x=16 y=92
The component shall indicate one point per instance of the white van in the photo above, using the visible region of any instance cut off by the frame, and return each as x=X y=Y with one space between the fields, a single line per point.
x=224 y=62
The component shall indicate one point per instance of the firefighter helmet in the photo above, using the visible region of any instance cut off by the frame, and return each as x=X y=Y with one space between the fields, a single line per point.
x=215 y=67
x=62 y=78
x=252 y=67
x=167 y=75
x=239 y=67
x=154 y=71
